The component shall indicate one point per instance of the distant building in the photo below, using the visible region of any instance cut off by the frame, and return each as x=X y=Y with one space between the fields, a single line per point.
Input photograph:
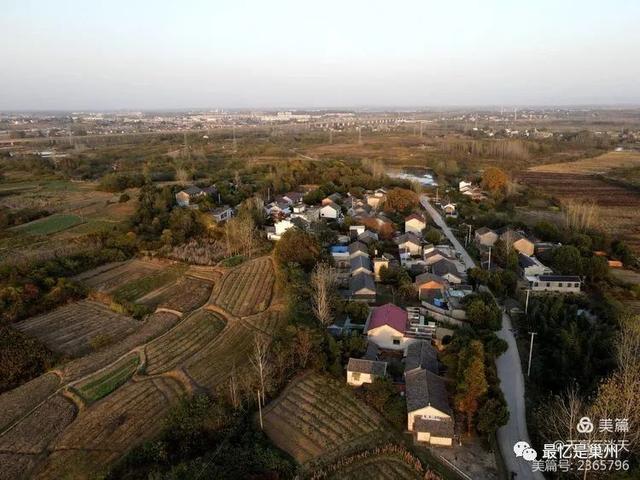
x=331 y=211
x=485 y=237
x=531 y=266
x=414 y=223
x=362 y=288
x=186 y=196
x=279 y=229
x=222 y=214
x=517 y=241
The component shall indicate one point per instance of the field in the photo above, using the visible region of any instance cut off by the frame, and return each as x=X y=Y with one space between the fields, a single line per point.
x=618 y=207
x=102 y=384
x=183 y=342
x=153 y=326
x=247 y=289
x=381 y=467
x=183 y=296
x=316 y=416
x=110 y=277
x=590 y=166
x=97 y=407
x=74 y=329
x=48 y=225
x=112 y=426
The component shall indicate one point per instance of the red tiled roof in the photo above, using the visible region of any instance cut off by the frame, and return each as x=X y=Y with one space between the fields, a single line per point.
x=390 y=315
x=416 y=216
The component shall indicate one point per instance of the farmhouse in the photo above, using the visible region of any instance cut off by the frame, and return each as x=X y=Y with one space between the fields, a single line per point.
x=414 y=223
x=222 y=214
x=485 y=237
x=331 y=211
x=184 y=197
x=360 y=370
x=531 y=266
x=368 y=237
x=376 y=199
x=430 y=285
x=333 y=198
x=356 y=230
x=278 y=209
x=448 y=270
x=340 y=254
x=361 y=264
x=378 y=262
x=362 y=288
x=358 y=249
x=386 y=327
x=555 y=283
x=409 y=243
x=449 y=209
x=279 y=228
x=435 y=255
x=517 y=241
x=429 y=415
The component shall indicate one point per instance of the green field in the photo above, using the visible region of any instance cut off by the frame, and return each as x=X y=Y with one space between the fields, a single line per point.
x=139 y=288
x=52 y=224
x=106 y=382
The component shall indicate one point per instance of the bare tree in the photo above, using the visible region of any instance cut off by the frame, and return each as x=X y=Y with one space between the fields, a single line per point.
x=323 y=279
x=304 y=346
x=260 y=361
x=234 y=396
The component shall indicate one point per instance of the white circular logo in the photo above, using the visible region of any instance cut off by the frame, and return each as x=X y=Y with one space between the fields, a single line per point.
x=519 y=448
x=585 y=425
x=529 y=454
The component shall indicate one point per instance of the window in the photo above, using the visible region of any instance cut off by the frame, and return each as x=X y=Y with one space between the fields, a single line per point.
x=560 y=284
x=355 y=376
x=396 y=341
x=576 y=285
x=548 y=284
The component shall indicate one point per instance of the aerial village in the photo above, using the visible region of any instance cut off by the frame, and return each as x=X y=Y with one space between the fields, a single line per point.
x=408 y=325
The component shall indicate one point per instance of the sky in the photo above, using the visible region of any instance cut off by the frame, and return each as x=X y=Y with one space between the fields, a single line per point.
x=139 y=54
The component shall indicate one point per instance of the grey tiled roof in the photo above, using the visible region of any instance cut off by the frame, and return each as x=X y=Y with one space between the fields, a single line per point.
x=423 y=389
x=421 y=354
x=362 y=365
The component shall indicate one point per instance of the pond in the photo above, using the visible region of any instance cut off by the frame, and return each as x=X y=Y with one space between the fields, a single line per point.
x=423 y=176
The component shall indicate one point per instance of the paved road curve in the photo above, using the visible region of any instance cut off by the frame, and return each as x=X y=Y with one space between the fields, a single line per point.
x=509 y=372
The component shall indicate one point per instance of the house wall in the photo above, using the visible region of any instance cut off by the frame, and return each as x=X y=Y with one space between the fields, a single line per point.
x=384 y=336
x=377 y=265
x=412 y=248
x=567 y=287
x=364 y=378
x=328 y=212
x=425 y=411
x=415 y=226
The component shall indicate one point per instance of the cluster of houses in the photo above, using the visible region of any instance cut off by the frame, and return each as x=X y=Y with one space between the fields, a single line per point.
x=188 y=198
x=469 y=189
x=389 y=332
x=536 y=276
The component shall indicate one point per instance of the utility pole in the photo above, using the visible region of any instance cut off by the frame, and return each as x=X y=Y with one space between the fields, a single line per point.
x=420 y=129
x=437 y=195
x=526 y=302
x=468 y=236
x=530 y=352
x=260 y=410
x=489 y=265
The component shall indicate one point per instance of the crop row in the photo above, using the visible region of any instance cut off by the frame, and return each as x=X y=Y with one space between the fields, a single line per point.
x=132 y=290
x=106 y=382
x=188 y=338
x=247 y=289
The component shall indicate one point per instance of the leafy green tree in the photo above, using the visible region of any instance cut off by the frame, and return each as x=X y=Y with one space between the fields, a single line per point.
x=492 y=415
x=433 y=235
x=567 y=260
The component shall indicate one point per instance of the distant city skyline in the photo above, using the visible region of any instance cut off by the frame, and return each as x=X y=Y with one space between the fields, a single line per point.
x=70 y=55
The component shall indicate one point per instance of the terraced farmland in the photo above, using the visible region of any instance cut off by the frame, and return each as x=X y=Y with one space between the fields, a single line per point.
x=102 y=384
x=315 y=416
x=382 y=467
x=113 y=425
x=135 y=289
x=190 y=337
x=73 y=328
x=247 y=289
x=19 y=401
x=112 y=276
x=48 y=225
x=184 y=296
x=152 y=327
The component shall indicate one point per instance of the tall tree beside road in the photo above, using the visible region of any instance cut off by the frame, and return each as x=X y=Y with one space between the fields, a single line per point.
x=472 y=381
x=401 y=200
x=323 y=279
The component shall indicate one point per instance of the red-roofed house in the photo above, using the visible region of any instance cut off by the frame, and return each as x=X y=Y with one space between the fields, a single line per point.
x=414 y=223
x=386 y=327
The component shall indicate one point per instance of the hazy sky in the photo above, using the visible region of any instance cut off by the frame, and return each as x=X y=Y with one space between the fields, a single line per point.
x=64 y=54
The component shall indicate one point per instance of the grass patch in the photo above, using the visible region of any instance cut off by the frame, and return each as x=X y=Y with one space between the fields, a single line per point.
x=49 y=225
x=232 y=261
x=139 y=288
x=109 y=380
